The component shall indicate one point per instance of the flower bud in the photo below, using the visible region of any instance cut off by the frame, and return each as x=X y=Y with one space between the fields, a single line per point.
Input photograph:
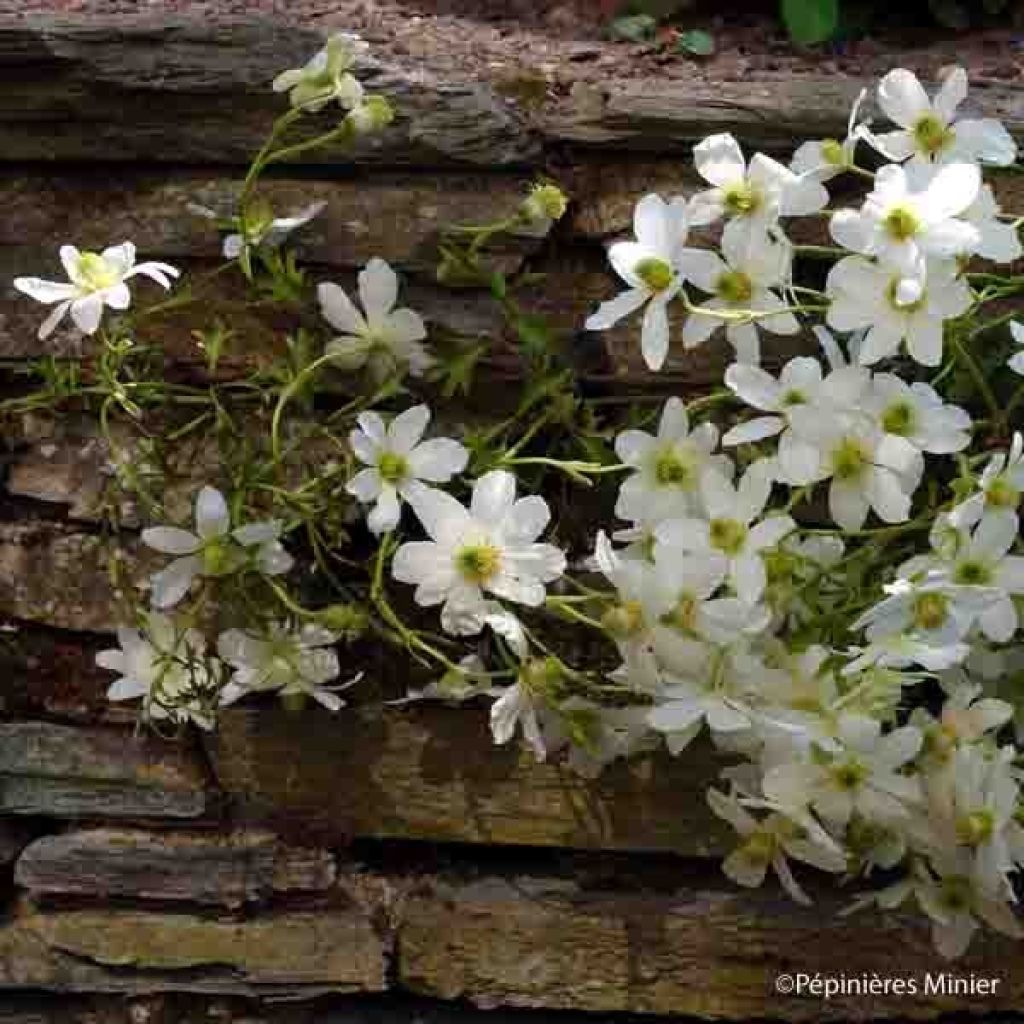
x=348 y=620
x=371 y=115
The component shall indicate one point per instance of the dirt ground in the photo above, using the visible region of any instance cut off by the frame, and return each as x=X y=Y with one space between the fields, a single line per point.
x=565 y=41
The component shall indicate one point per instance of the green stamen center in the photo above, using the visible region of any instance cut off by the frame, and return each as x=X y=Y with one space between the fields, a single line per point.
x=930 y=610
x=902 y=223
x=741 y=199
x=1002 y=493
x=672 y=469
x=931 y=135
x=849 y=459
x=95 y=271
x=728 y=535
x=899 y=419
x=735 y=287
x=975 y=828
x=478 y=563
x=654 y=273
x=849 y=774
x=393 y=468
x=972 y=573
x=832 y=151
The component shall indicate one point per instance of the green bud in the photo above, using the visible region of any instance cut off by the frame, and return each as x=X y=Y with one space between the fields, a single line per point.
x=350 y=620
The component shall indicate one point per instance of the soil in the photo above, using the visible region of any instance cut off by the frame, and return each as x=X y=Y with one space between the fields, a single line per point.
x=557 y=43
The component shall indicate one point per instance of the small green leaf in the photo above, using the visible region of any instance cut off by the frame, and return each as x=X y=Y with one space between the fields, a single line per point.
x=634 y=28
x=810 y=21
x=697 y=42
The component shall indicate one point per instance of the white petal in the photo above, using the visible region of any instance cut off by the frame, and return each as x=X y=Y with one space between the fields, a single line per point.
x=406 y=429
x=611 y=312
x=170 y=540
x=902 y=98
x=378 y=290
x=338 y=310
x=212 y=517
x=366 y=485
x=438 y=460
x=654 y=335
x=748 y=576
x=385 y=513
x=493 y=495
x=87 y=313
x=719 y=159
x=754 y=430
x=170 y=585
x=44 y=291
x=951 y=94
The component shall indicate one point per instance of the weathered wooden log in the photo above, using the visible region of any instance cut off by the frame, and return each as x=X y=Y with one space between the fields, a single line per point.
x=231 y=870
x=63 y=771
x=177 y=90
x=434 y=773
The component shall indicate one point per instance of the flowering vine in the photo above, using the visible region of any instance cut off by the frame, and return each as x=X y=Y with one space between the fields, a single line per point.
x=818 y=565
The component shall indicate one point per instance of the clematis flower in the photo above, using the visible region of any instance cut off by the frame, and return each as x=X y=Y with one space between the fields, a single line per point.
x=262 y=230
x=741 y=282
x=729 y=531
x=868 y=295
x=668 y=465
x=290 y=662
x=488 y=548
x=929 y=130
x=911 y=214
x=650 y=267
x=824 y=159
x=166 y=666
x=798 y=384
x=1016 y=361
x=95 y=280
x=381 y=338
x=753 y=197
x=326 y=77
x=215 y=549
x=999 y=488
x=862 y=774
x=767 y=842
x=399 y=463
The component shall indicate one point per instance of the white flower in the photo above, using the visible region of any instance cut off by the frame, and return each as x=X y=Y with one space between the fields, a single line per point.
x=998 y=240
x=767 y=842
x=798 y=384
x=215 y=549
x=911 y=214
x=727 y=532
x=650 y=266
x=868 y=295
x=929 y=130
x=999 y=488
x=982 y=560
x=268 y=231
x=167 y=667
x=861 y=774
x=95 y=280
x=382 y=338
x=326 y=76
x=283 y=660
x=488 y=548
x=846 y=447
x=824 y=159
x=669 y=466
x=915 y=420
x=399 y=462
x=1016 y=361
x=752 y=197
x=741 y=283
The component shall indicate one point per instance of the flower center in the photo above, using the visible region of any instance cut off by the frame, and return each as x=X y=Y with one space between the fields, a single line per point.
x=393 y=468
x=683 y=616
x=899 y=419
x=849 y=459
x=833 y=153
x=794 y=397
x=1002 y=494
x=741 y=199
x=931 y=135
x=478 y=563
x=550 y=200
x=759 y=847
x=972 y=573
x=930 y=610
x=728 y=535
x=734 y=286
x=902 y=223
x=975 y=828
x=95 y=272
x=849 y=774
x=673 y=469
x=624 y=620
x=956 y=892
x=654 y=273
x=220 y=556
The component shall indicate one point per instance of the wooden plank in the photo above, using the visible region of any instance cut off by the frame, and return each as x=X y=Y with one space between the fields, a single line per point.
x=433 y=773
x=64 y=771
x=690 y=949
x=228 y=869
x=176 y=90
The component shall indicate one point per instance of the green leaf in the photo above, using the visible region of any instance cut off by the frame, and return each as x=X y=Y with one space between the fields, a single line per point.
x=810 y=21
x=634 y=28
x=697 y=42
